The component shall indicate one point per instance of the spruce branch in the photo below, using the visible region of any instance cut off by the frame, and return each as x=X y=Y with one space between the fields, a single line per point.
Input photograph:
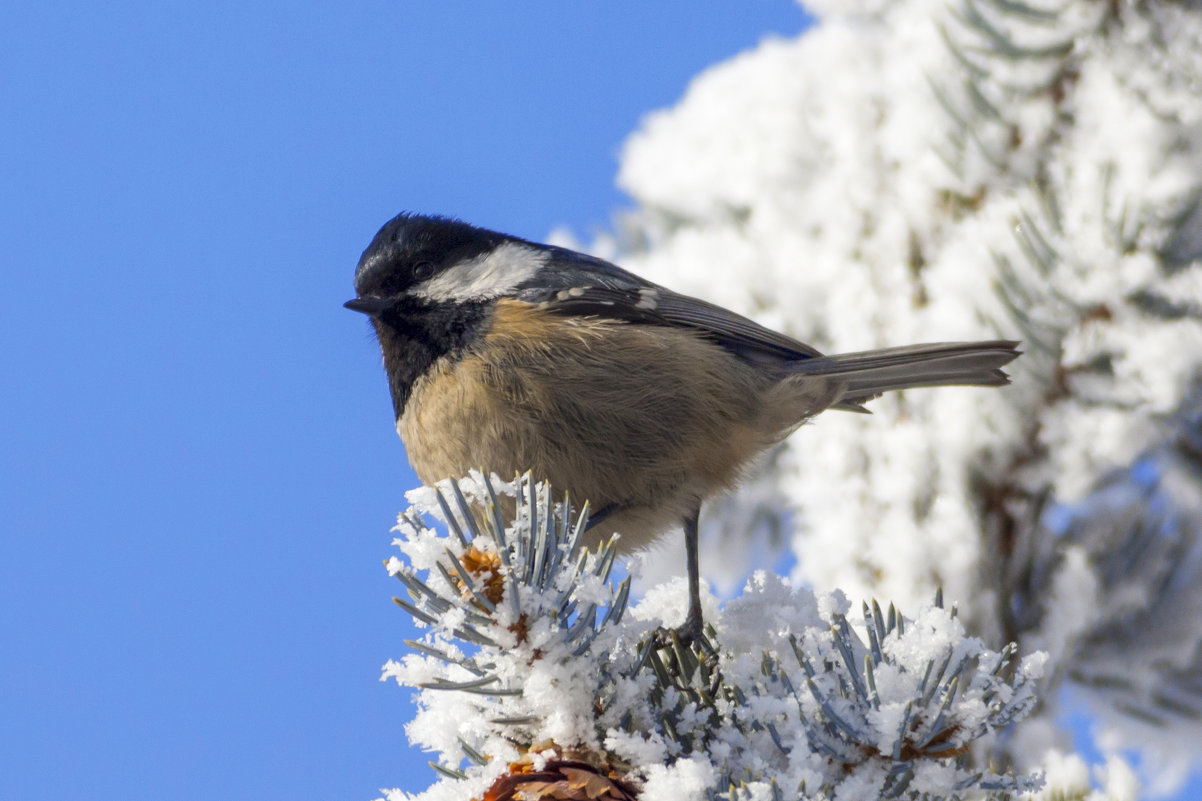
x=1141 y=531
x=535 y=684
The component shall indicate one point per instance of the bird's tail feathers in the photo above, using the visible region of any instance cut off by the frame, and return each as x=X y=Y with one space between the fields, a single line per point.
x=871 y=373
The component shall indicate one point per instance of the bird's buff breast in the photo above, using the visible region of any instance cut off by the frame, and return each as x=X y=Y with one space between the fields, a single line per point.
x=641 y=418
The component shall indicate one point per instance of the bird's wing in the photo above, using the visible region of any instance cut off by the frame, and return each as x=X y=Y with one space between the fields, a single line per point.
x=599 y=289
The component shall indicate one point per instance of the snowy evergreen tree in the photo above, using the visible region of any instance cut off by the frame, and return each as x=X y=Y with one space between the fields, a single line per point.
x=904 y=171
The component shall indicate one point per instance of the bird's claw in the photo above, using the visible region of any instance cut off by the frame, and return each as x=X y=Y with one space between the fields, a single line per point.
x=692 y=634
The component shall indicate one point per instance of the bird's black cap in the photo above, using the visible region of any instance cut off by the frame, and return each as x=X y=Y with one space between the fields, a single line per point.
x=407 y=240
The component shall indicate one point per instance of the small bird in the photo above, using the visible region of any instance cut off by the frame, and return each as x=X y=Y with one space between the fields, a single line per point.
x=507 y=355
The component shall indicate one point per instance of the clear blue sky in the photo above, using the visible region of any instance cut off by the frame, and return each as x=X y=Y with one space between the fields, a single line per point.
x=199 y=466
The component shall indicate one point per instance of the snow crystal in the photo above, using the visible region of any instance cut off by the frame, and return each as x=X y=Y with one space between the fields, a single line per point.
x=686 y=780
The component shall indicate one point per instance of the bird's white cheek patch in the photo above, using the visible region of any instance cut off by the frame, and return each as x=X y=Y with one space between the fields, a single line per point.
x=487 y=276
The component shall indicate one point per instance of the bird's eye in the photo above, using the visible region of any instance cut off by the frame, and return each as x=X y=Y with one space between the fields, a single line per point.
x=423 y=270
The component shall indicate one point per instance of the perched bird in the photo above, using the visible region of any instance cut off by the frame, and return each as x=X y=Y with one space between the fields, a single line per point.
x=508 y=355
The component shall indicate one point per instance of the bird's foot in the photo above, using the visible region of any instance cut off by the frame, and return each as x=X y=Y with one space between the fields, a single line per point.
x=693 y=634
x=685 y=664
x=686 y=653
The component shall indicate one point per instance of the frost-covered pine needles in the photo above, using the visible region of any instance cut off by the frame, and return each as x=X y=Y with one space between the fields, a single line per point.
x=534 y=678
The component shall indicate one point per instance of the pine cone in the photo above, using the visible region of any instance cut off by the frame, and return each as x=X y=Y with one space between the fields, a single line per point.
x=559 y=781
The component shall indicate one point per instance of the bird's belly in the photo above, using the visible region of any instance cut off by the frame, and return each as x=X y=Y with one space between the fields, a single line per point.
x=648 y=422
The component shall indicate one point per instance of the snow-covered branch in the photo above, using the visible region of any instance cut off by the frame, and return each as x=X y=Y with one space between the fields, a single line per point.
x=533 y=672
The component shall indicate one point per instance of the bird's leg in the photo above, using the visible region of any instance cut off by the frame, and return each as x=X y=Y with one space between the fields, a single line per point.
x=691 y=631
x=692 y=624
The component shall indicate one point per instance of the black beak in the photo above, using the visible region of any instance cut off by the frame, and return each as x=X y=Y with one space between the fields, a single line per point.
x=369 y=306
